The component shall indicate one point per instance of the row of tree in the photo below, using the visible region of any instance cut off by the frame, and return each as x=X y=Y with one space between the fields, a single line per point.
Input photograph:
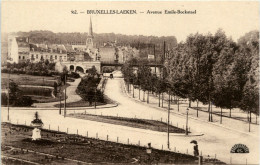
x=42 y=68
x=212 y=69
x=43 y=36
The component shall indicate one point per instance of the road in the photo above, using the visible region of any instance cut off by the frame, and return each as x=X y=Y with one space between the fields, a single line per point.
x=70 y=91
x=216 y=140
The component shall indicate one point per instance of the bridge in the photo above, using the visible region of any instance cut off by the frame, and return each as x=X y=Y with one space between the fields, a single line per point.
x=84 y=66
x=135 y=65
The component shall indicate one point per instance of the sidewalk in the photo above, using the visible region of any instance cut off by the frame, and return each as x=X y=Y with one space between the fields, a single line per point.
x=71 y=93
x=72 y=96
x=216 y=139
x=229 y=123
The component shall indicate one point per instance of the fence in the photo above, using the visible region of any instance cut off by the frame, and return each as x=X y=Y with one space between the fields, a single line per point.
x=126 y=141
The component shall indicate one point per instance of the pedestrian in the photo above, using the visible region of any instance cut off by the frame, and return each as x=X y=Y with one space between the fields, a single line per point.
x=196 y=150
x=195 y=147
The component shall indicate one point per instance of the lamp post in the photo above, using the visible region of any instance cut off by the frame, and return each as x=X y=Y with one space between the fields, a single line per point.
x=60 y=99
x=95 y=105
x=186 y=131
x=8 y=90
x=65 y=98
x=168 y=124
x=149 y=150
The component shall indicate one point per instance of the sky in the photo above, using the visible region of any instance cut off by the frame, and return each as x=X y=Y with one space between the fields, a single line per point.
x=235 y=17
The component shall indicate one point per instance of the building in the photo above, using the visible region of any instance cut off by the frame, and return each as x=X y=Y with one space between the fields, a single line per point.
x=12 y=56
x=89 y=51
x=42 y=52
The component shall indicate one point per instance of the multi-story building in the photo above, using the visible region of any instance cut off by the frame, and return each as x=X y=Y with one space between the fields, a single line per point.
x=52 y=53
x=23 y=49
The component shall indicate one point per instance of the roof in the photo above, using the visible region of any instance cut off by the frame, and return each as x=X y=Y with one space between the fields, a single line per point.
x=23 y=44
x=69 y=48
x=87 y=57
x=42 y=46
x=33 y=46
x=57 y=48
x=21 y=39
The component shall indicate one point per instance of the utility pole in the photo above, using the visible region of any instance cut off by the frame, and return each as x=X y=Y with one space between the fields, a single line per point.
x=168 y=126
x=65 y=98
x=154 y=58
x=60 y=99
x=133 y=91
x=164 y=46
x=186 y=131
x=128 y=83
x=8 y=119
x=211 y=117
x=197 y=78
x=95 y=105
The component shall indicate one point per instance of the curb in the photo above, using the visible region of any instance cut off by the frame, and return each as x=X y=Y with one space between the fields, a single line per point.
x=74 y=108
x=162 y=109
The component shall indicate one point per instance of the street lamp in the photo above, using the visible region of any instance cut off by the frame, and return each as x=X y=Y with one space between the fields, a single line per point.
x=60 y=99
x=186 y=131
x=95 y=105
x=65 y=96
x=8 y=93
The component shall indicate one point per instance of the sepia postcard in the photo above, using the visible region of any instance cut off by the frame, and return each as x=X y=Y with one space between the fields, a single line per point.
x=133 y=82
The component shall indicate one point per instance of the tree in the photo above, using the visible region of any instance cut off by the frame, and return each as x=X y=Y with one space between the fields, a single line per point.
x=250 y=96
x=55 y=86
x=145 y=79
x=14 y=92
x=46 y=62
x=92 y=71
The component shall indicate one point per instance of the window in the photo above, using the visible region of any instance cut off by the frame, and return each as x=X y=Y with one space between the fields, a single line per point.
x=55 y=57
x=23 y=57
x=41 y=57
x=19 y=57
x=36 y=56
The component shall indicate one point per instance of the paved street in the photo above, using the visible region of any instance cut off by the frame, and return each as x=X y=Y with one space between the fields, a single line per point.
x=216 y=139
x=71 y=93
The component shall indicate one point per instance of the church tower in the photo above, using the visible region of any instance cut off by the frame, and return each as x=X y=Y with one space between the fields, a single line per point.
x=89 y=42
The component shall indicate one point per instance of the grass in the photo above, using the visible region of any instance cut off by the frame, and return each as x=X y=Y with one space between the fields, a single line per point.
x=36 y=91
x=22 y=79
x=38 y=94
x=130 y=122
x=80 y=103
x=83 y=103
x=86 y=149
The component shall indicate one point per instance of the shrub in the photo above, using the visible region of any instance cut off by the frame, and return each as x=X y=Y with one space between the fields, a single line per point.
x=24 y=101
x=74 y=75
x=4 y=98
x=86 y=89
x=36 y=91
x=21 y=101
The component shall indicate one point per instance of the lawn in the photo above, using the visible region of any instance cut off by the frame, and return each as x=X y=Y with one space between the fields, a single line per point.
x=85 y=149
x=82 y=103
x=130 y=122
x=22 y=79
x=35 y=86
